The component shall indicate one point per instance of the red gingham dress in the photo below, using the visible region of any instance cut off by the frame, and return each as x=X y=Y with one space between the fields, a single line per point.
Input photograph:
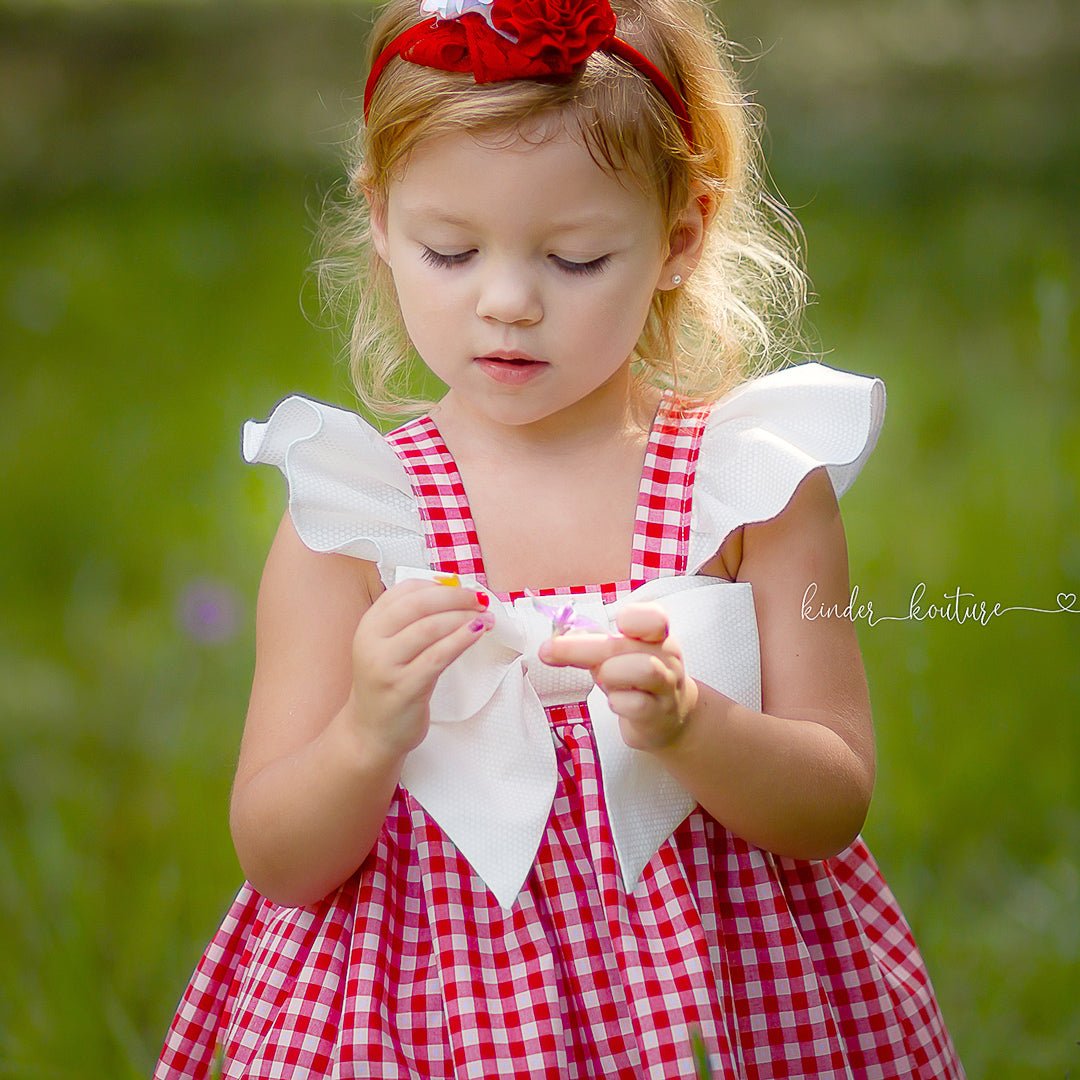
x=411 y=969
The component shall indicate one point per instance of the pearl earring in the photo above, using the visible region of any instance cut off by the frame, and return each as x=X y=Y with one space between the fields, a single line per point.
x=676 y=279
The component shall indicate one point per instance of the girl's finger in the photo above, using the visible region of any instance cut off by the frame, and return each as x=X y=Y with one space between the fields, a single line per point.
x=426 y=667
x=579 y=650
x=589 y=650
x=412 y=600
x=643 y=622
x=633 y=704
x=636 y=671
x=418 y=637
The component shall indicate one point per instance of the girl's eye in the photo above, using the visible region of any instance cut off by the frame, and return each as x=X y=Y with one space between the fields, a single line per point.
x=594 y=267
x=436 y=258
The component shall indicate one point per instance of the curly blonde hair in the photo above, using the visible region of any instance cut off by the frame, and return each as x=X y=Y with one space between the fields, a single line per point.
x=741 y=308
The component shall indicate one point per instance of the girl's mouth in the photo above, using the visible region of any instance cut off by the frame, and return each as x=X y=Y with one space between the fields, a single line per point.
x=514 y=372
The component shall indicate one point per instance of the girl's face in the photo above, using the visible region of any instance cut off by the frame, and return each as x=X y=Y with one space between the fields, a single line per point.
x=522 y=247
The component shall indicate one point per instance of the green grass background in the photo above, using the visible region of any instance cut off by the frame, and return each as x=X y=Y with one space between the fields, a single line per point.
x=161 y=167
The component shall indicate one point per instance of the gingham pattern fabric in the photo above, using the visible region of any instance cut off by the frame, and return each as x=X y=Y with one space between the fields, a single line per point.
x=412 y=970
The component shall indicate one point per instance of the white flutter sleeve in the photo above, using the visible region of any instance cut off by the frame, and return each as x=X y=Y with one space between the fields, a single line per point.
x=348 y=490
x=767 y=434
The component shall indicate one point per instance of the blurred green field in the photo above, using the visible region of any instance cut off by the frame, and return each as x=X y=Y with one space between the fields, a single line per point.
x=160 y=170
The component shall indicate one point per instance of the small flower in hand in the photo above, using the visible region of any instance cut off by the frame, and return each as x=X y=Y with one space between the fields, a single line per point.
x=563 y=617
x=641 y=672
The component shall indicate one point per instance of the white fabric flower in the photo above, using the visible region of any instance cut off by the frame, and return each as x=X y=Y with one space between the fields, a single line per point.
x=453 y=9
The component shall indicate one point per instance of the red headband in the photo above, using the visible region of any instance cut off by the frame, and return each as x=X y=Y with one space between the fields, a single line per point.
x=519 y=39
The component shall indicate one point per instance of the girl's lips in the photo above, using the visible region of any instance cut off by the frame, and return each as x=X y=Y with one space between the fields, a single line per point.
x=510 y=372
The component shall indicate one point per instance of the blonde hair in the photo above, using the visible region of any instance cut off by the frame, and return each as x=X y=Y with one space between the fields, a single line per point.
x=731 y=319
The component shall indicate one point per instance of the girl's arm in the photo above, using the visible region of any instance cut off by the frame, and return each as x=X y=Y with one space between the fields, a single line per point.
x=309 y=797
x=344 y=672
x=796 y=777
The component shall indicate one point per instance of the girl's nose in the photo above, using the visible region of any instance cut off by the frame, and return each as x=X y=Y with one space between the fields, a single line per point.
x=509 y=295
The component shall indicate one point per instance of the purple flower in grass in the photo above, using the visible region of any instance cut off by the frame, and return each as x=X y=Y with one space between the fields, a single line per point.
x=208 y=611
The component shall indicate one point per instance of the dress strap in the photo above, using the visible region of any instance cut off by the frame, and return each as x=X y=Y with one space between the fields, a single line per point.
x=452 y=544
x=662 y=528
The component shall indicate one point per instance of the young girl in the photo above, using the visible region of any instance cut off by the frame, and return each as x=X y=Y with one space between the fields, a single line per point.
x=546 y=771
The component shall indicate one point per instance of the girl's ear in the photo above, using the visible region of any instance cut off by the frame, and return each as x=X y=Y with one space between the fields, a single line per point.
x=687 y=241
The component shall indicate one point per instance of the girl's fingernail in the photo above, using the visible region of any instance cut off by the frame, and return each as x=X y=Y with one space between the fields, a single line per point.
x=483 y=599
x=477 y=625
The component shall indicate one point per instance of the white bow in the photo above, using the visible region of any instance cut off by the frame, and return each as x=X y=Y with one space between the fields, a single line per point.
x=486 y=771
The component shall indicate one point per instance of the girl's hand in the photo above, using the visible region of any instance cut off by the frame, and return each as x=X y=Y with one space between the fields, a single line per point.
x=411 y=633
x=641 y=673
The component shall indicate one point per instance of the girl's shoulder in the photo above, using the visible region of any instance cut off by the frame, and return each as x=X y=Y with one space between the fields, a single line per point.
x=761 y=440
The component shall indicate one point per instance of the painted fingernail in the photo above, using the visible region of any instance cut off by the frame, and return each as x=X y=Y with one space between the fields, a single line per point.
x=477 y=625
x=483 y=599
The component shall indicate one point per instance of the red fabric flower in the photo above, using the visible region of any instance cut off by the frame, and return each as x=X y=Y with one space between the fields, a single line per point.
x=465 y=44
x=445 y=47
x=557 y=35
x=553 y=38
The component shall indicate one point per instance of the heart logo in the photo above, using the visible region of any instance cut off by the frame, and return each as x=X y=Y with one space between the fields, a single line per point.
x=1066 y=601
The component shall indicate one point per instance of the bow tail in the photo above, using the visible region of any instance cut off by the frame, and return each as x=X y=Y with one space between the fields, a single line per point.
x=489 y=782
x=717 y=626
x=645 y=802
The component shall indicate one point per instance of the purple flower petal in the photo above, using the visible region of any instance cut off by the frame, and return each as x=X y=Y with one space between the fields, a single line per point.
x=564 y=618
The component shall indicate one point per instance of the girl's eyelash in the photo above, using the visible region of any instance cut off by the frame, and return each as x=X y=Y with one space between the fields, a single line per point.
x=594 y=267
x=436 y=258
